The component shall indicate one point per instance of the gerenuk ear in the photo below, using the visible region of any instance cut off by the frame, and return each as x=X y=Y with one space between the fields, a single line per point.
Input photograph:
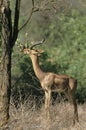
x=41 y=51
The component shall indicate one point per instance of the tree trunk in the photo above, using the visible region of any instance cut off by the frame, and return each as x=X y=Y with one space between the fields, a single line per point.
x=5 y=83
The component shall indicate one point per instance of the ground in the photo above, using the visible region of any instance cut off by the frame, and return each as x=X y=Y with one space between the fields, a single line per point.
x=28 y=117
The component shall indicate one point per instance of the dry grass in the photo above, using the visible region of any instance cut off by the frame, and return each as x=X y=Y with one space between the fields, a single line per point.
x=28 y=117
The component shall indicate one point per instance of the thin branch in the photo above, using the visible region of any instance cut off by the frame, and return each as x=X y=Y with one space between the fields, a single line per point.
x=26 y=21
x=31 y=13
x=33 y=3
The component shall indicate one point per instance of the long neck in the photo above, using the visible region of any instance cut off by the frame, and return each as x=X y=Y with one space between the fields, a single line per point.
x=38 y=72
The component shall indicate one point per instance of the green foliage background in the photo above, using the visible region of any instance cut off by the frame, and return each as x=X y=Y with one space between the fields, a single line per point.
x=65 y=52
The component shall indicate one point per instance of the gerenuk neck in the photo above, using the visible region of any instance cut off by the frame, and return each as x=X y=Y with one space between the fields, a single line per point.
x=38 y=72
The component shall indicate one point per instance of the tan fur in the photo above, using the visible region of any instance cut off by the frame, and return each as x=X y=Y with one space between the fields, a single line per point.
x=52 y=82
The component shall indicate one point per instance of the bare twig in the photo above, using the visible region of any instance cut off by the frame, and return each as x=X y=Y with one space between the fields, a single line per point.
x=31 y=13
